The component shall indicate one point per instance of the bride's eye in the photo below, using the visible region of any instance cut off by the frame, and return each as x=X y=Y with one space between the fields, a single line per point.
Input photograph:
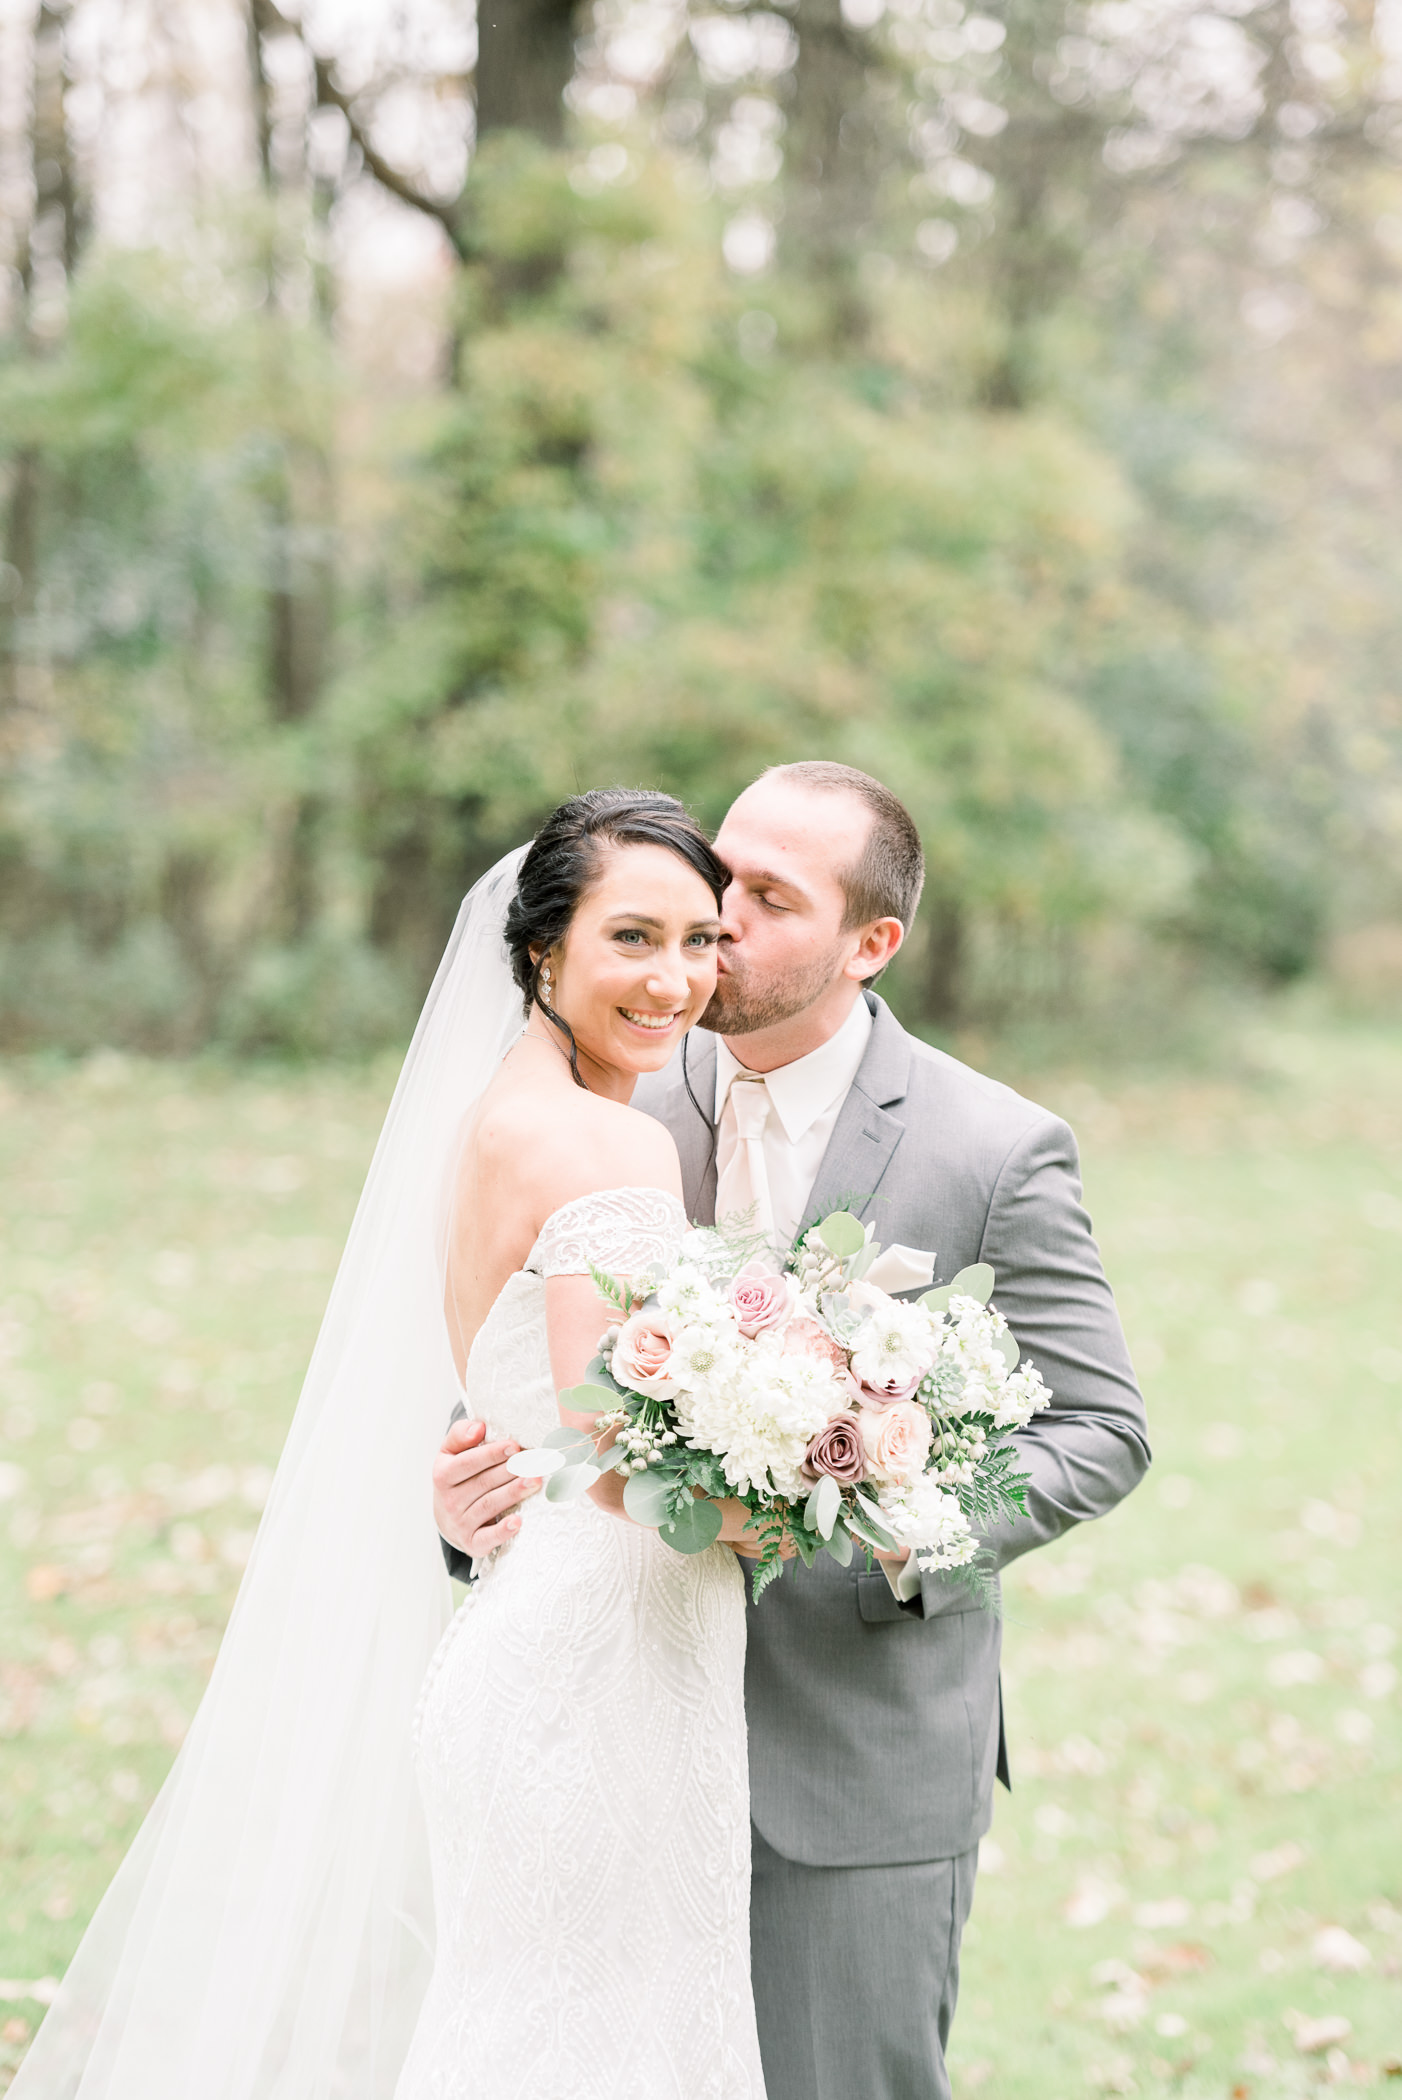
x=702 y=940
x=632 y=934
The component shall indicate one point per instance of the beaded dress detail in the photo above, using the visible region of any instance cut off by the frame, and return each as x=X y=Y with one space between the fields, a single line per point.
x=582 y=1760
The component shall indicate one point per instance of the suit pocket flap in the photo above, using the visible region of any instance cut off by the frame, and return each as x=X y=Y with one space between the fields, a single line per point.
x=876 y=1603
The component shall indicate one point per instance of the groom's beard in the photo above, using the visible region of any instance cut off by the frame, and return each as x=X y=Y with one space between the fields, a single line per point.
x=745 y=1002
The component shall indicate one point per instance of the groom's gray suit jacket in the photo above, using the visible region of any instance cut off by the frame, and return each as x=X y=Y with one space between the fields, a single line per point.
x=876 y=1728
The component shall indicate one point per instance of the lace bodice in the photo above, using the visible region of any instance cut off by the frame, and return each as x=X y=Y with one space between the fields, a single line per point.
x=582 y=1754
x=623 y=1231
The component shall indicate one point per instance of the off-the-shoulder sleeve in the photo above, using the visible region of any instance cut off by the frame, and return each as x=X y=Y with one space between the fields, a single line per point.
x=620 y=1230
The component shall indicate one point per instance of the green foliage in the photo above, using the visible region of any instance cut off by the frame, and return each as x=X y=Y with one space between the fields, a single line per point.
x=623 y=545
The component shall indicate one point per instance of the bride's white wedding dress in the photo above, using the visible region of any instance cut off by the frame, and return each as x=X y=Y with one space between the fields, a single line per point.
x=582 y=1760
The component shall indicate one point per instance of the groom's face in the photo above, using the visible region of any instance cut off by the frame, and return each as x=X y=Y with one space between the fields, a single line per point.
x=782 y=944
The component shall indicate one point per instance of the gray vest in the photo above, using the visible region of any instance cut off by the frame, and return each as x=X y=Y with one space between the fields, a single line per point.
x=875 y=1728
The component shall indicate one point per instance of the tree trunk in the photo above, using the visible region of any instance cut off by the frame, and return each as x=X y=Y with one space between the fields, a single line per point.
x=525 y=61
x=298 y=500
x=944 y=961
x=833 y=159
x=48 y=248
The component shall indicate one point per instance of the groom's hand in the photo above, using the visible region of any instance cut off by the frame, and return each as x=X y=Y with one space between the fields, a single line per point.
x=475 y=1499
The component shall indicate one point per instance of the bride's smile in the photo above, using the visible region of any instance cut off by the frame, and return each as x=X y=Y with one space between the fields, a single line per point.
x=636 y=968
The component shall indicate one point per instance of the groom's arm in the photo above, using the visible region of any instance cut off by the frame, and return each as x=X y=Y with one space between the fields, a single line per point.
x=1091 y=1446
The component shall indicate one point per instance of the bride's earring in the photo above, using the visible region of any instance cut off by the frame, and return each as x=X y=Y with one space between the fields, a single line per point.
x=545 y=982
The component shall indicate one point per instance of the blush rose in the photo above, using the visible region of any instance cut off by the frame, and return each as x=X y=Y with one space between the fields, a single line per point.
x=896 y=1439
x=760 y=1299
x=642 y=1353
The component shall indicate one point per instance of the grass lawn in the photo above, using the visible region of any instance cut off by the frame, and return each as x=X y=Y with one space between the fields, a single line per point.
x=1196 y=1887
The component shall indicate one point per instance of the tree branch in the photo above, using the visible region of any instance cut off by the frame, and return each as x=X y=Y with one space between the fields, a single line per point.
x=271 y=21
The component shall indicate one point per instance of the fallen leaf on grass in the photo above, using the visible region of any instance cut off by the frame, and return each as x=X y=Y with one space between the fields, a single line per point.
x=1313 y=2036
x=1092 y=1901
x=1336 y=1949
x=1185 y=1958
x=1269 y=1866
x=1168 y=1911
x=43 y=1990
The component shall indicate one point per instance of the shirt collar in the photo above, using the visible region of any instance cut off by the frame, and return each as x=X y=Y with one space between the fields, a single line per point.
x=802 y=1091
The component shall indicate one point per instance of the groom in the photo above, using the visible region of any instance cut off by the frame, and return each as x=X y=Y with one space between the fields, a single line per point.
x=875 y=1716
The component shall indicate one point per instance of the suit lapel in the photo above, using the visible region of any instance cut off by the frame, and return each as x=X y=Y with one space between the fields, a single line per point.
x=866 y=1134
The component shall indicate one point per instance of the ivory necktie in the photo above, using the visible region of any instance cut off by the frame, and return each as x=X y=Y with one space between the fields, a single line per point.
x=744 y=1186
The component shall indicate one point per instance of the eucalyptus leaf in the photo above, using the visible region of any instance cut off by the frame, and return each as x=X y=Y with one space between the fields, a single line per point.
x=695 y=1527
x=975 y=1282
x=567 y=1439
x=810 y=1508
x=861 y=1262
x=608 y=1461
x=840 y=1546
x=1007 y=1347
x=936 y=1301
x=826 y=1504
x=874 y=1534
x=569 y=1483
x=584 y=1399
x=868 y=1524
x=645 y=1498
x=842 y=1234
x=537 y=1463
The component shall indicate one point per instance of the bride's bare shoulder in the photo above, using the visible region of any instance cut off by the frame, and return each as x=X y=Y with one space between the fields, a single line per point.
x=554 y=1147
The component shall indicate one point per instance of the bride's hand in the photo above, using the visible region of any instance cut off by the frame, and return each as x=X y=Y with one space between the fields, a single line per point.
x=733 y=1533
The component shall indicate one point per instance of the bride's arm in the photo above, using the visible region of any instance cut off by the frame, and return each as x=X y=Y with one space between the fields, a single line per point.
x=575 y=1318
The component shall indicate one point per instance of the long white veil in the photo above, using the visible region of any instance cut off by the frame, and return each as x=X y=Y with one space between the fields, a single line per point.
x=269 y=1936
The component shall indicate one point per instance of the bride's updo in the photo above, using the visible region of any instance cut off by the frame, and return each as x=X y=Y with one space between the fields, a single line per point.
x=563 y=861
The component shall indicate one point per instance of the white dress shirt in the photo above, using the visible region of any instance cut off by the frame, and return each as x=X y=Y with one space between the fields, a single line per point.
x=806 y=1098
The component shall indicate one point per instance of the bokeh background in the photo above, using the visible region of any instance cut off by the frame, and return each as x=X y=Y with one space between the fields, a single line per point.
x=401 y=428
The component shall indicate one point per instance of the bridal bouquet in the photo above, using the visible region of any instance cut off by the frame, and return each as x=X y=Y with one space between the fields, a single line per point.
x=836 y=1413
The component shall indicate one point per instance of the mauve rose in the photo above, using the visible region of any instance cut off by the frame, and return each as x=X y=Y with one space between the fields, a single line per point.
x=896 y=1439
x=837 y=1450
x=642 y=1353
x=892 y=1390
x=760 y=1299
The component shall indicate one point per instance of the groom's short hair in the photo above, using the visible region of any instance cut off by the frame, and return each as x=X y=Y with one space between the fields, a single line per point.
x=885 y=880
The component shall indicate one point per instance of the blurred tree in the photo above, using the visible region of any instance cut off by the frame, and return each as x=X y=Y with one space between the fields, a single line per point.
x=1004 y=401
x=48 y=241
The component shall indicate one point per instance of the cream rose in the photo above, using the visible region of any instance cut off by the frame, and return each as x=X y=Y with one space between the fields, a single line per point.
x=897 y=1440
x=642 y=1354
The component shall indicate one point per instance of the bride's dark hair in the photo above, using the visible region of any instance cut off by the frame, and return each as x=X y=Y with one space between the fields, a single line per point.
x=563 y=860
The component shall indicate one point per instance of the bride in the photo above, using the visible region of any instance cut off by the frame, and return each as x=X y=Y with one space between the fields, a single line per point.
x=394 y=1862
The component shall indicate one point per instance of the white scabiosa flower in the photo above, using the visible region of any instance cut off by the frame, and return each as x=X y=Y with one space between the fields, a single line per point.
x=893 y=1348
x=705 y=1352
